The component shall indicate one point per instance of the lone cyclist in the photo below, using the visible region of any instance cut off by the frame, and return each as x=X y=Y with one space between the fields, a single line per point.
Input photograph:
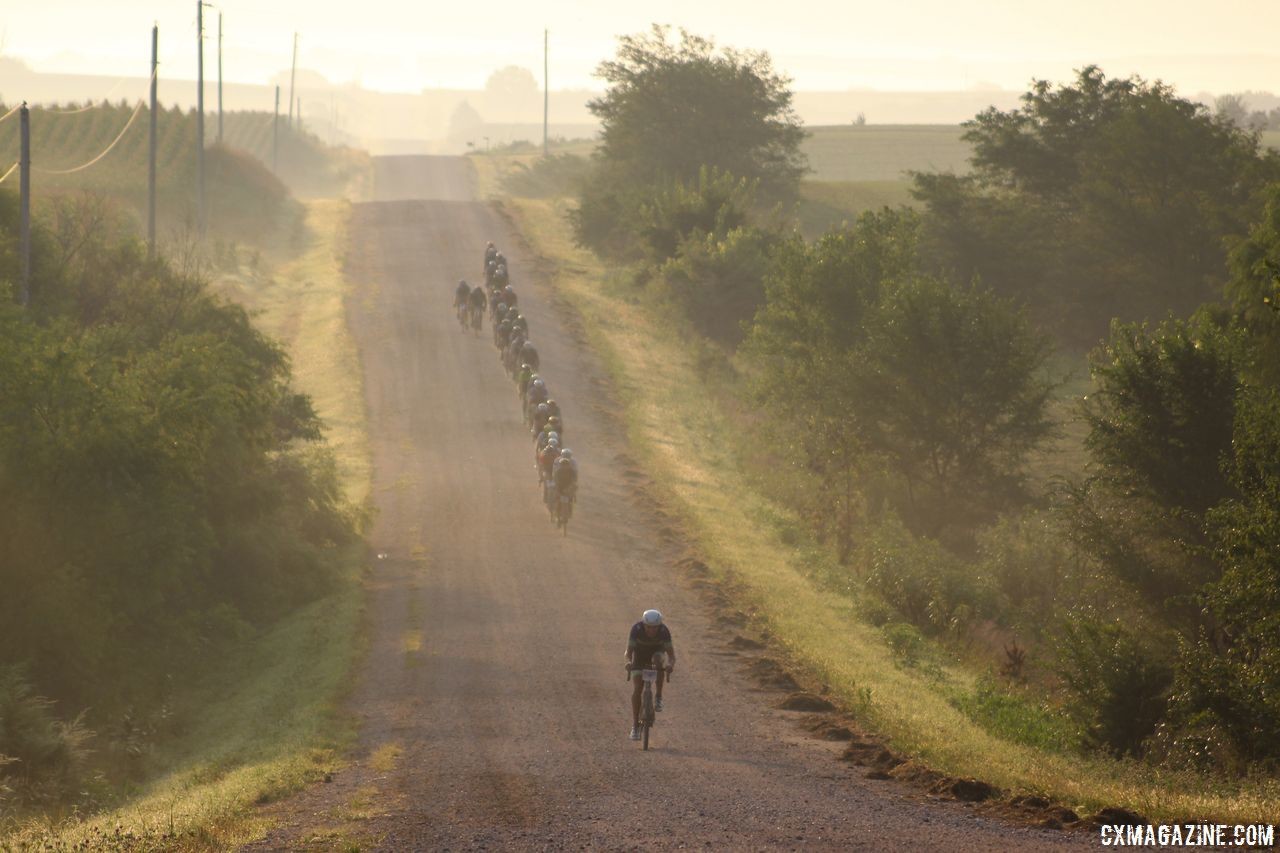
x=648 y=636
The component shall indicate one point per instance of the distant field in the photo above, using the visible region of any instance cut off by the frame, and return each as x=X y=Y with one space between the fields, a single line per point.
x=1271 y=139
x=883 y=152
x=829 y=204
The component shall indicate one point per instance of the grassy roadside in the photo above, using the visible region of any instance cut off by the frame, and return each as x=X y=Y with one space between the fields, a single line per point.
x=755 y=548
x=266 y=721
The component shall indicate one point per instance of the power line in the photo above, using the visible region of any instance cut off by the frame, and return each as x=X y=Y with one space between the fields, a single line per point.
x=11 y=112
x=10 y=172
x=106 y=151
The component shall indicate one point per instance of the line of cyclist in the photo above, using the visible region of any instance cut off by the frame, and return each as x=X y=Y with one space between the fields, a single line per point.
x=557 y=468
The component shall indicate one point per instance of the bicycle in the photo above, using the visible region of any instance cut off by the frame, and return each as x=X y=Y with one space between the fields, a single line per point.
x=477 y=317
x=649 y=674
x=563 y=509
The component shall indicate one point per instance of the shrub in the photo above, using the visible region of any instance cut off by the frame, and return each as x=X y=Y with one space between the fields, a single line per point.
x=932 y=588
x=41 y=757
x=719 y=280
x=1118 y=678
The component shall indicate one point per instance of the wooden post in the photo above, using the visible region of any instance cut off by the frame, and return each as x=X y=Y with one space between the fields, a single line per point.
x=24 y=204
x=151 y=151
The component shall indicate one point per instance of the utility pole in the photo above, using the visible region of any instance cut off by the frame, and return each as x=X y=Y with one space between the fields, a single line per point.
x=24 y=204
x=151 y=150
x=546 y=97
x=219 y=78
x=293 y=76
x=275 y=136
x=200 y=215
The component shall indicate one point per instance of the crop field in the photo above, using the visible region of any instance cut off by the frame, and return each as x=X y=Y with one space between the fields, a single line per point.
x=883 y=152
x=66 y=138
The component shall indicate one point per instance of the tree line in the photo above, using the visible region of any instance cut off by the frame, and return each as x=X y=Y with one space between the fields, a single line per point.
x=165 y=491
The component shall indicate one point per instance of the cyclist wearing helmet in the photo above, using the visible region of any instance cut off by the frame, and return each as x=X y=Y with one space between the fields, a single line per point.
x=502 y=334
x=500 y=277
x=460 y=295
x=553 y=408
x=519 y=322
x=545 y=459
x=529 y=353
x=490 y=253
x=478 y=299
x=499 y=311
x=510 y=295
x=546 y=437
x=536 y=392
x=523 y=377
x=540 y=415
x=554 y=425
x=648 y=636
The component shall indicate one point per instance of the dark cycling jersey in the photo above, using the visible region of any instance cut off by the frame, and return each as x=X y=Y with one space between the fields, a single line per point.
x=478 y=298
x=643 y=646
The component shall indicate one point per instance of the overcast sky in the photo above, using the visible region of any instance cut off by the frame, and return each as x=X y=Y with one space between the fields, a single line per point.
x=1226 y=45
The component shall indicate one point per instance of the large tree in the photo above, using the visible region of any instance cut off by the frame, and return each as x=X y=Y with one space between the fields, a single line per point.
x=1105 y=197
x=674 y=112
x=673 y=108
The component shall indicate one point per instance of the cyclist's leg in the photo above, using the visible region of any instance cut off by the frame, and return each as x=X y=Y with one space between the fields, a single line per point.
x=637 y=685
x=662 y=678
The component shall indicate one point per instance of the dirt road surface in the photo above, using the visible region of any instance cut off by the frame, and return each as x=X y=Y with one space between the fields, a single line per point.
x=493 y=706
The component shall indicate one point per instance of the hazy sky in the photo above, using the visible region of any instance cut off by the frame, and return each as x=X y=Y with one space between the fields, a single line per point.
x=1219 y=46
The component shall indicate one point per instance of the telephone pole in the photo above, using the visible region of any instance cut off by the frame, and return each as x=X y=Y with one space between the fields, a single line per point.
x=546 y=97
x=200 y=216
x=24 y=203
x=275 y=136
x=293 y=76
x=219 y=78
x=151 y=149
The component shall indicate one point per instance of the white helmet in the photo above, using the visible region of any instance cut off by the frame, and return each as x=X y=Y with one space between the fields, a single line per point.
x=568 y=454
x=651 y=617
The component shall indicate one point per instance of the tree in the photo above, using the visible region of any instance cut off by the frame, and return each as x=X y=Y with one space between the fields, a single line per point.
x=1120 y=195
x=877 y=365
x=464 y=122
x=512 y=92
x=1254 y=289
x=672 y=109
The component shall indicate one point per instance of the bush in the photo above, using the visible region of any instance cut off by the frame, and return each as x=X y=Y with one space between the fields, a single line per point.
x=1118 y=677
x=42 y=758
x=719 y=280
x=1032 y=565
x=1229 y=675
x=929 y=586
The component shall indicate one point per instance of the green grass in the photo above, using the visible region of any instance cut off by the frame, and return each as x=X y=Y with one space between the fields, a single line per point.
x=266 y=722
x=884 y=152
x=679 y=439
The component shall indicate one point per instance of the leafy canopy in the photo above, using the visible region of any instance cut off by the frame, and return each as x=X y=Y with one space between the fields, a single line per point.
x=1098 y=199
x=672 y=109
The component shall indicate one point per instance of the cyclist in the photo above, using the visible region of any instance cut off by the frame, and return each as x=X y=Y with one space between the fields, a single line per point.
x=509 y=294
x=502 y=334
x=648 y=636
x=553 y=408
x=519 y=322
x=545 y=460
x=564 y=477
x=529 y=353
x=533 y=395
x=554 y=425
x=460 y=295
x=500 y=276
x=499 y=311
x=523 y=377
x=490 y=252
x=539 y=419
x=478 y=302
x=545 y=437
